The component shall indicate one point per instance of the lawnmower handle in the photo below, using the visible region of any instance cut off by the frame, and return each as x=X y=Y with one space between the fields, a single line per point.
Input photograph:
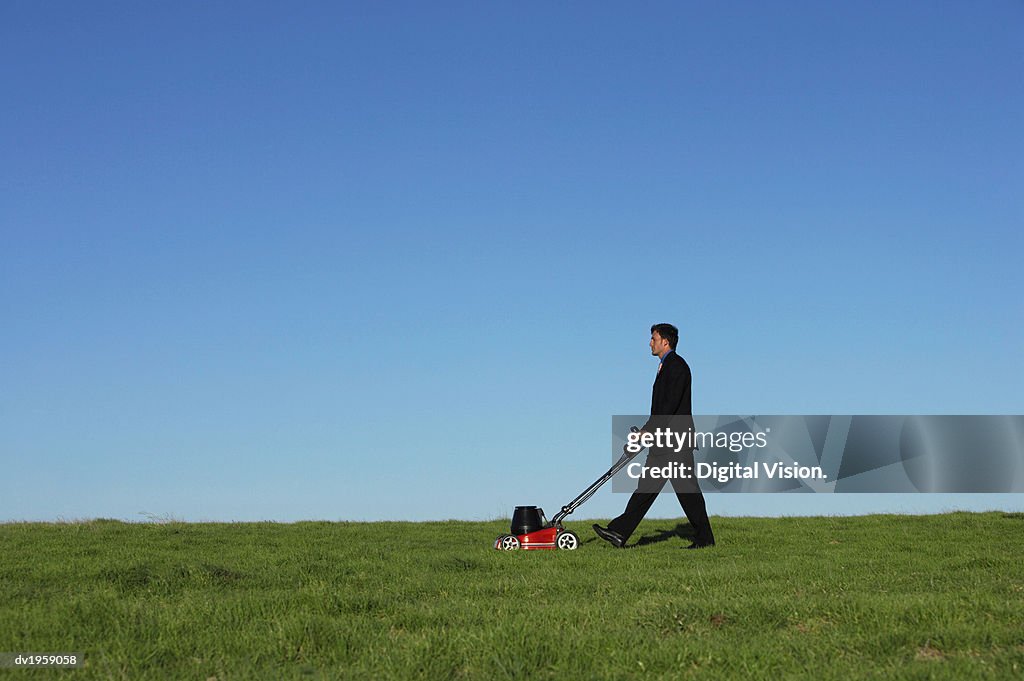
x=589 y=492
x=632 y=429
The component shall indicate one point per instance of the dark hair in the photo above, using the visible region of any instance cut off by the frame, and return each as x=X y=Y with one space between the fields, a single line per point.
x=668 y=332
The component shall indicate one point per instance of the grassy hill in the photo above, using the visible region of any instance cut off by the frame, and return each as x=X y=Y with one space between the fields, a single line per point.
x=930 y=597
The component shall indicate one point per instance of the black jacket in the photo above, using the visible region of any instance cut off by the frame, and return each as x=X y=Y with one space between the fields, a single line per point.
x=671 y=396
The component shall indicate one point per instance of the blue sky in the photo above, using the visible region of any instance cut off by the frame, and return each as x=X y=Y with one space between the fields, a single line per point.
x=400 y=261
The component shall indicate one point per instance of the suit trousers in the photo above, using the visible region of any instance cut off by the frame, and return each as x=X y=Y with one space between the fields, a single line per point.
x=687 y=492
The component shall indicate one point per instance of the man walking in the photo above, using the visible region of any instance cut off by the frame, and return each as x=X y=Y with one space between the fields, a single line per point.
x=670 y=397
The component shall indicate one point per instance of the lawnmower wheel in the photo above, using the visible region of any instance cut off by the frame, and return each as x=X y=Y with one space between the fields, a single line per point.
x=567 y=540
x=509 y=542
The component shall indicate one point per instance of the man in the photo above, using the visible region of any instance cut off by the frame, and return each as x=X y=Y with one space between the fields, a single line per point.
x=670 y=398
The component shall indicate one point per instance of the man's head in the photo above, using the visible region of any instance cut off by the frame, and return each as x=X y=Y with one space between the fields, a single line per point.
x=663 y=338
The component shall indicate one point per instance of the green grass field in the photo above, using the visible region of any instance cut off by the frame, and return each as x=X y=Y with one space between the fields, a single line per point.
x=826 y=598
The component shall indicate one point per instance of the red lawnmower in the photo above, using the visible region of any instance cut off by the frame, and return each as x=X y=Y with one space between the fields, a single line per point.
x=531 y=530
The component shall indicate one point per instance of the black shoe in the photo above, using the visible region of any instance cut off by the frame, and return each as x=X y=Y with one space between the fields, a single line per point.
x=613 y=538
x=701 y=544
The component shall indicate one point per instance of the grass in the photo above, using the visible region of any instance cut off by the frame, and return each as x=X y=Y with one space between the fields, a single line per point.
x=919 y=597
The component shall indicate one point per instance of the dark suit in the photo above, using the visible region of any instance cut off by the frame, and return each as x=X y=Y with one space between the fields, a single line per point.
x=670 y=400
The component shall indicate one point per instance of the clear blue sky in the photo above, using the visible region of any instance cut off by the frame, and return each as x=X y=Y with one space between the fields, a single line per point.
x=399 y=261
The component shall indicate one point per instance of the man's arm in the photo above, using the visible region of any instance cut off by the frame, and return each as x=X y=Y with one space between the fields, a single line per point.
x=668 y=395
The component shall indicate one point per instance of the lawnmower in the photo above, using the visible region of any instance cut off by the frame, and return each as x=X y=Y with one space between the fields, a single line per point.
x=531 y=530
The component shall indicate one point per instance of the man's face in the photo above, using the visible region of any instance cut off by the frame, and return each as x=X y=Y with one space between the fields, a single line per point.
x=658 y=344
